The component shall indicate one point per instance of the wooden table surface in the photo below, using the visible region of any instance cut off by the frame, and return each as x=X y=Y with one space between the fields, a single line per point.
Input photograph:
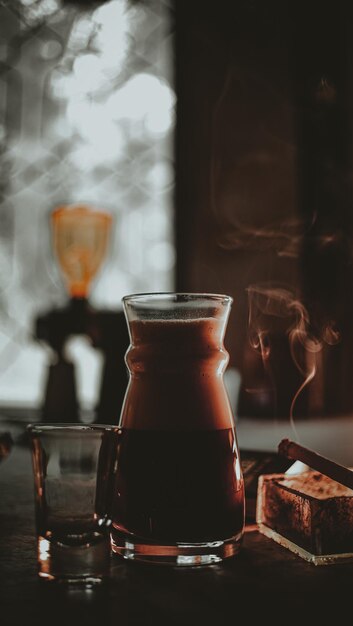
x=264 y=581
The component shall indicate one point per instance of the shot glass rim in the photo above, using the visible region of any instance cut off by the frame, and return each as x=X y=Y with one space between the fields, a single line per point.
x=45 y=427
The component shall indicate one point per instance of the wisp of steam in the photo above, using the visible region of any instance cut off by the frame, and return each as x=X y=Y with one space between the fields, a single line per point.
x=276 y=311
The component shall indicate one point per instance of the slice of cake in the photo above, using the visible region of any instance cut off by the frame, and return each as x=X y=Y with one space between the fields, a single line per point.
x=310 y=511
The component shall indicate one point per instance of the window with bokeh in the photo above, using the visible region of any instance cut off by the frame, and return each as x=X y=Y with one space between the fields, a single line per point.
x=86 y=116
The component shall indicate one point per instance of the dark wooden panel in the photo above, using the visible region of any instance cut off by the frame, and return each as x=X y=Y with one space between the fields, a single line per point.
x=263 y=163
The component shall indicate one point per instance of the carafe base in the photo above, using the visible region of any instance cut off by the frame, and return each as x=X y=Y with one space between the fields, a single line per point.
x=178 y=554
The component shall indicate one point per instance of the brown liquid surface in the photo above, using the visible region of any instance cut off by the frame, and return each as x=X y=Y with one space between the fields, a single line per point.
x=178 y=486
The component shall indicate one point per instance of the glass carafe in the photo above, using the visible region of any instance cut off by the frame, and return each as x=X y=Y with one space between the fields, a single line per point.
x=179 y=493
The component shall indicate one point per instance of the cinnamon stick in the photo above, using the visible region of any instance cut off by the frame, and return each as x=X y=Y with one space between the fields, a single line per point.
x=333 y=470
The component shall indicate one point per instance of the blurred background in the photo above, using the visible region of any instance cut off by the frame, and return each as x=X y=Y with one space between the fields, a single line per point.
x=218 y=136
x=87 y=110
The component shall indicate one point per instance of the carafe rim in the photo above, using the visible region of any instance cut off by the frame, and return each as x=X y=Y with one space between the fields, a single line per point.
x=177 y=296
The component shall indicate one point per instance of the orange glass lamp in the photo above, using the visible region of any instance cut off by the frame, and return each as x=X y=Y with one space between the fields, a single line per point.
x=80 y=238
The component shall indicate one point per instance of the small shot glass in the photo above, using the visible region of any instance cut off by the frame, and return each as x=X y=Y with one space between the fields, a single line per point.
x=73 y=469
